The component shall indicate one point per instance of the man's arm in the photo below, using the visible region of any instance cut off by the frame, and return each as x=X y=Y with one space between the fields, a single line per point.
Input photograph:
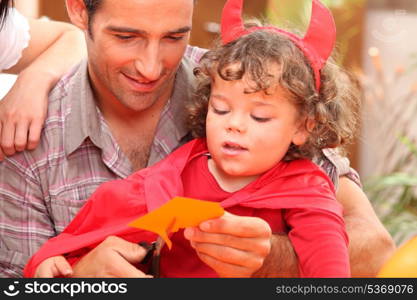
x=53 y=49
x=370 y=244
x=281 y=261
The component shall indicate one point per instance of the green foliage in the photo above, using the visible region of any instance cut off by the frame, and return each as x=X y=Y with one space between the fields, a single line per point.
x=341 y=3
x=295 y=15
x=394 y=197
x=290 y=14
x=299 y=11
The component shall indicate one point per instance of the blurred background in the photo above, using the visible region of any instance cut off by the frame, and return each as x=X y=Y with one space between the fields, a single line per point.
x=377 y=43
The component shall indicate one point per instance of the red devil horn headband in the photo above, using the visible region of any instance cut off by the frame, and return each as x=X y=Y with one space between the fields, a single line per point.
x=317 y=44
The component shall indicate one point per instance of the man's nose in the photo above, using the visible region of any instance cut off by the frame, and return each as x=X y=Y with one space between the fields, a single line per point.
x=149 y=63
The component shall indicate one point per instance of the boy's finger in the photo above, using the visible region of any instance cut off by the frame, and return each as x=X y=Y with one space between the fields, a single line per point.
x=63 y=267
x=241 y=226
x=44 y=273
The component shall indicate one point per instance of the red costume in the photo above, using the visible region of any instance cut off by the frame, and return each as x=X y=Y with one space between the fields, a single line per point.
x=293 y=197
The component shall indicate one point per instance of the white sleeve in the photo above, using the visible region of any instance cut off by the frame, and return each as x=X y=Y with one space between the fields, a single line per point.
x=14 y=38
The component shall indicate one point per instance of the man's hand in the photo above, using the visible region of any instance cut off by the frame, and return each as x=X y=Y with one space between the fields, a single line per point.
x=234 y=246
x=111 y=259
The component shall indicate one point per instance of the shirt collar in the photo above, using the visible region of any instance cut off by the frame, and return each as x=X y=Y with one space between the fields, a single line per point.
x=183 y=92
x=84 y=119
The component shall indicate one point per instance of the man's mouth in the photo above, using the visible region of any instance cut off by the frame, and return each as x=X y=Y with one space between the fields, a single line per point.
x=141 y=84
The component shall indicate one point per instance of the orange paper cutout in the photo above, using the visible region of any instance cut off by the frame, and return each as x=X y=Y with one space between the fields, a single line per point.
x=177 y=213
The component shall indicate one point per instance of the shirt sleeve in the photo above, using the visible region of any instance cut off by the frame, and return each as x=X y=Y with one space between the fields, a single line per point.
x=194 y=53
x=14 y=38
x=24 y=220
x=320 y=242
x=336 y=165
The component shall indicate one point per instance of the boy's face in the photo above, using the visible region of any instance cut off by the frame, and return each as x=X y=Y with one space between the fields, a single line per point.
x=247 y=134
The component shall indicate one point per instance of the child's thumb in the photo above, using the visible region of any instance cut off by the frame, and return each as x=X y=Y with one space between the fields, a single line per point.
x=63 y=267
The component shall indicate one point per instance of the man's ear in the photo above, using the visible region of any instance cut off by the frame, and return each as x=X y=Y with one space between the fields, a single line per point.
x=77 y=12
x=303 y=131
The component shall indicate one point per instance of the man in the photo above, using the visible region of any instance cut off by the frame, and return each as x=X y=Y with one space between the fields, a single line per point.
x=120 y=111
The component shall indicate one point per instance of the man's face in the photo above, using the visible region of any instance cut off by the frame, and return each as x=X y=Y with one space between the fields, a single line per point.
x=135 y=49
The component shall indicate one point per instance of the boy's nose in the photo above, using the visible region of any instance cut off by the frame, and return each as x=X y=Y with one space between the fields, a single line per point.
x=236 y=124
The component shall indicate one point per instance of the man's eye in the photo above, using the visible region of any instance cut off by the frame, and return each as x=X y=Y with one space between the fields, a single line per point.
x=123 y=37
x=260 y=120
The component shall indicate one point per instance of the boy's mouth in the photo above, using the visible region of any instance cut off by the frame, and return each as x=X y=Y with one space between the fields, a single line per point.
x=233 y=148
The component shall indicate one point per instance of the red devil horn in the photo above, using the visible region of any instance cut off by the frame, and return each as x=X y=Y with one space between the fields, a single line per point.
x=321 y=34
x=317 y=44
x=232 y=23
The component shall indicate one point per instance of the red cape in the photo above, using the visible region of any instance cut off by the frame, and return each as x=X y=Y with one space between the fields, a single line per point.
x=301 y=185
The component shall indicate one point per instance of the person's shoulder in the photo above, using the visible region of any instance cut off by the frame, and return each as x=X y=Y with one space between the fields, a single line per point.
x=301 y=166
x=307 y=172
x=52 y=137
x=59 y=101
x=14 y=38
x=194 y=53
x=337 y=165
x=63 y=86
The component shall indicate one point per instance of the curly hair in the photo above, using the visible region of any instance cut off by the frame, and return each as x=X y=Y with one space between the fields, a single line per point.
x=334 y=109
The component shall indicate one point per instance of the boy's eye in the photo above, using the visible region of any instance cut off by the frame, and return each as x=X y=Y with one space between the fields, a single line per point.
x=175 y=37
x=259 y=119
x=219 y=111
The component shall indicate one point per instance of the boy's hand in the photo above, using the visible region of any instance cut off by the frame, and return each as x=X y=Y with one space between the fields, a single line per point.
x=234 y=246
x=53 y=267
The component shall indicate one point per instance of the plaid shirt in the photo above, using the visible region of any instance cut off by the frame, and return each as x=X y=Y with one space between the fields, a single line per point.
x=42 y=190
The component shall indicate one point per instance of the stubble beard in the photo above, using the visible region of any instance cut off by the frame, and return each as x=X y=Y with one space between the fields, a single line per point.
x=139 y=101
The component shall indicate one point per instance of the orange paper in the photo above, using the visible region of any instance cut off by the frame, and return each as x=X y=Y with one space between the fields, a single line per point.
x=178 y=213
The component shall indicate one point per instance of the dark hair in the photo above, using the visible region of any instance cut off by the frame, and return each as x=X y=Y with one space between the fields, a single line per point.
x=334 y=109
x=92 y=6
x=4 y=9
